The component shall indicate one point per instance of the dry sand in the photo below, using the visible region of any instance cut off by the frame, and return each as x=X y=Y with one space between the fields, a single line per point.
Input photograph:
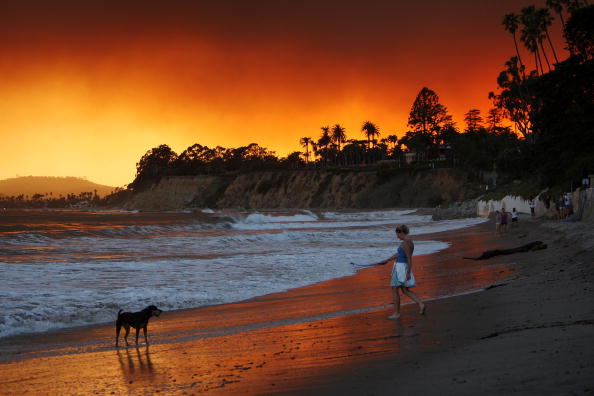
x=530 y=332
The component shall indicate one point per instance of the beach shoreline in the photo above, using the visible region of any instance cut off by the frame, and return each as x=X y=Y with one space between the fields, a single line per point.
x=291 y=343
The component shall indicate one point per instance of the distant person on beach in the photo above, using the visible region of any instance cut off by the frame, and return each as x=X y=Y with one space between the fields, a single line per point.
x=514 y=216
x=561 y=203
x=402 y=276
x=497 y=222
x=503 y=221
x=532 y=205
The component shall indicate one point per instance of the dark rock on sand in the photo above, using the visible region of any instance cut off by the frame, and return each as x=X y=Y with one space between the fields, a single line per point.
x=529 y=247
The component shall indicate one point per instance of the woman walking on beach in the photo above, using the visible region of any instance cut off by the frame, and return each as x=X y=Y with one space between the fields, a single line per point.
x=402 y=275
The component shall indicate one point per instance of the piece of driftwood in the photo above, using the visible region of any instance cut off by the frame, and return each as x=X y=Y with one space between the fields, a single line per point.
x=529 y=247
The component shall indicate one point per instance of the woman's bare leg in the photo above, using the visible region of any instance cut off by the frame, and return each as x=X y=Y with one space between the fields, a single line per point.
x=415 y=298
x=396 y=296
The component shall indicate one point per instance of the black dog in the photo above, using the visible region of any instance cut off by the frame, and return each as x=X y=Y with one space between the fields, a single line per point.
x=138 y=320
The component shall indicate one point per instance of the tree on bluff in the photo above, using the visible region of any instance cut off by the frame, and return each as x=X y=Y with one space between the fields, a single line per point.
x=152 y=166
x=564 y=116
x=554 y=111
x=427 y=119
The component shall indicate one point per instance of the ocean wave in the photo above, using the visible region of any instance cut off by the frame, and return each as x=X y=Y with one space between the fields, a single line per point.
x=90 y=270
x=370 y=215
x=41 y=297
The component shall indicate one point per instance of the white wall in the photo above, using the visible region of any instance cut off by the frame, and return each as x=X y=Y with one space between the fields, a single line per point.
x=523 y=205
x=508 y=203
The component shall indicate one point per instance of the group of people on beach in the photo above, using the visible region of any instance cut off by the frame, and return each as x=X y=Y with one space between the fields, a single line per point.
x=503 y=219
x=563 y=205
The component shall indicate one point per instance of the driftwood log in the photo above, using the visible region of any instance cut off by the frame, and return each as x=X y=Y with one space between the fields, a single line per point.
x=529 y=247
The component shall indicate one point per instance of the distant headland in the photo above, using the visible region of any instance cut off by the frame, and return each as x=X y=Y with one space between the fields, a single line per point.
x=49 y=187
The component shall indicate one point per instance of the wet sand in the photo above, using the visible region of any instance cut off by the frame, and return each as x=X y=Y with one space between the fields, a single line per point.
x=524 y=323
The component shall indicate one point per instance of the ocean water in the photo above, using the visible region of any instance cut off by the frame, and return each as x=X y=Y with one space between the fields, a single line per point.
x=68 y=268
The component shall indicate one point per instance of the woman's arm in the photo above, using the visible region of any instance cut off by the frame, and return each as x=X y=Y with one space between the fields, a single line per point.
x=386 y=261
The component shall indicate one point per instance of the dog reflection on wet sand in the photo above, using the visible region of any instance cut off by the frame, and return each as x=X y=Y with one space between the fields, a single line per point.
x=137 y=320
x=136 y=364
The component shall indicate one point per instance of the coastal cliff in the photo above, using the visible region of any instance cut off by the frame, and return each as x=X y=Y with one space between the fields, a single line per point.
x=363 y=189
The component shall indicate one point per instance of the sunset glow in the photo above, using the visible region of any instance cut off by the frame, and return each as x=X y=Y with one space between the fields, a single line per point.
x=88 y=89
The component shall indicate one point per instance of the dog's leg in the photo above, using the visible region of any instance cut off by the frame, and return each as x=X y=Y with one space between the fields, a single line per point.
x=145 y=337
x=126 y=335
x=137 y=331
x=118 y=328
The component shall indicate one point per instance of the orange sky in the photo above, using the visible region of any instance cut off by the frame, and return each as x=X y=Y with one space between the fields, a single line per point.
x=86 y=88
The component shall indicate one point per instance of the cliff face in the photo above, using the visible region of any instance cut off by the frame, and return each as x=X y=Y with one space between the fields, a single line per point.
x=305 y=189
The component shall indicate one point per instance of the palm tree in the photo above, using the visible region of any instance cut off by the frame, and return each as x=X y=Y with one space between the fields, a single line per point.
x=392 y=139
x=511 y=23
x=338 y=137
x=324 y=141
x=557 y=7
x=531 y=35
x=370 y=130
x=305 y=143
x=541 y=20
x=546 y=20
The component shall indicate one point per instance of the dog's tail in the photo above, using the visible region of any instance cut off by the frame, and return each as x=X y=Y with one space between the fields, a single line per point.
x=120 y=312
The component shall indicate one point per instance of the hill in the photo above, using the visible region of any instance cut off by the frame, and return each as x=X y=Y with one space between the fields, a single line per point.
x=30 y=185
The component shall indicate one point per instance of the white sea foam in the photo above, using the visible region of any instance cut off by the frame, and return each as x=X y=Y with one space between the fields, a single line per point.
x=259 y=218
x=268 y=223
x=370 y=215
x=50 y=282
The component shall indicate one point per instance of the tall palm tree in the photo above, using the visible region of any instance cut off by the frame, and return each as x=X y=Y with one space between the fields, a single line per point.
x=511 y=22
x=338 y=137
x=557 y=7
x=324 y=141
x=370 y=130
x=539 y=19
x=305 y=143
x=531 y=34
x=546 y=20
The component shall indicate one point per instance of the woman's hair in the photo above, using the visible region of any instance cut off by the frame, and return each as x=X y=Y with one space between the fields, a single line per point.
x=403 y=228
